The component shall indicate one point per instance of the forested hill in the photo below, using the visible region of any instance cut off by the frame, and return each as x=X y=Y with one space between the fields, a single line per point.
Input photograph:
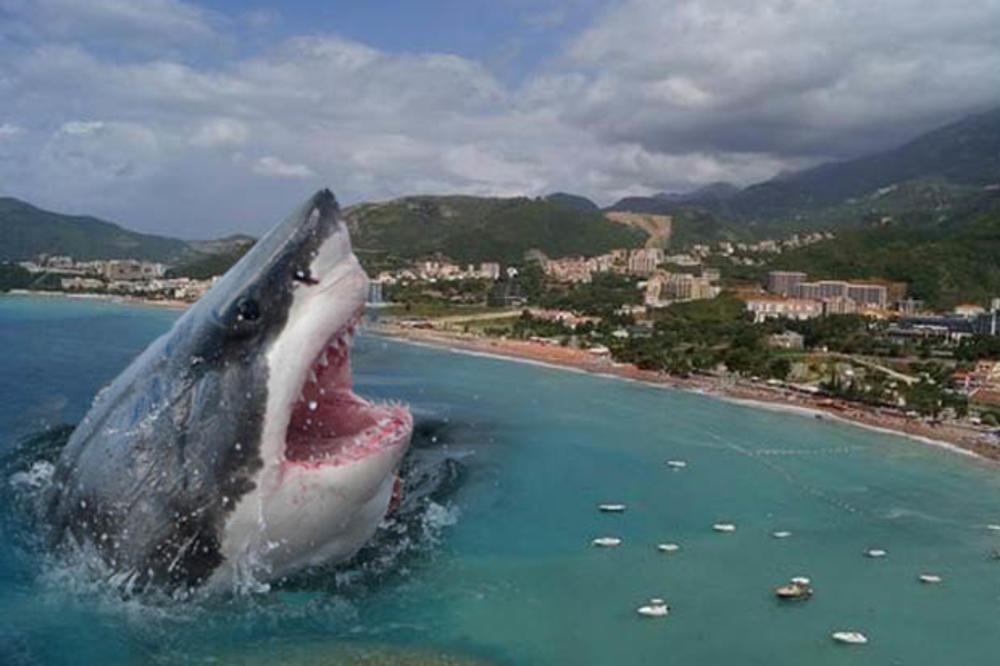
x=28 y=231
x=953 y=260
x=472 y=229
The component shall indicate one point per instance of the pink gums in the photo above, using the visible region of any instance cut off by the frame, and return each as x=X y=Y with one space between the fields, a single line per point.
x=330 y=424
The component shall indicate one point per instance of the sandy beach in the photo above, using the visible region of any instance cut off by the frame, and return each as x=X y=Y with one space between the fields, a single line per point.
x=110 y=298
x=955 y=437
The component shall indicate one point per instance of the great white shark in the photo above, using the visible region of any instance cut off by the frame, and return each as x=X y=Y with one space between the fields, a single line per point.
x=233 y=449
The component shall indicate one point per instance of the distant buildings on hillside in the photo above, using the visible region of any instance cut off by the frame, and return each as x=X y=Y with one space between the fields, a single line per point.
x=125 y=277
x=664 y=288
x=864 y=294
x=838 y=296
x=434 y=270
x=108 y=269
x=770 y=306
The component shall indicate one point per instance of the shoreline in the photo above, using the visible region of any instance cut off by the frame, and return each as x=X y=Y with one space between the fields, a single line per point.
x=950 y=437
x=108 y=298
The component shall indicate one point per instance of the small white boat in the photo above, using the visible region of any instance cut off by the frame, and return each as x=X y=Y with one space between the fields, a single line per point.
x=677 y=464
x=993 y=528
x=611 y=508
x=781 y=534
x=606 y=542
x=850 y=637
x=875 y=553
x=930 y=579
x=793 y=592
x=655 y=608
x=724 y=527
x=668 y=547
x=800 y=580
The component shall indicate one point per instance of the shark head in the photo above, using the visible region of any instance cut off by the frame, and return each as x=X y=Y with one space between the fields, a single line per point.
x=234 y=448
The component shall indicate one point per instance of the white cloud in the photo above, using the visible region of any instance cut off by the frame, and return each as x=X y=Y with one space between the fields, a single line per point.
x=278 y=168
x=220 y=132
x=649 y=97
x=130 y=21
x=791 y=77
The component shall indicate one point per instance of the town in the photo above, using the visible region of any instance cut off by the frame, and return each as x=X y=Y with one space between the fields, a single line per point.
x=848 y=344
x=117 y=277
x=685 y=314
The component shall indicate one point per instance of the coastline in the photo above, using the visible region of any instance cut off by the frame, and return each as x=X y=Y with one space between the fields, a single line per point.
x=109 y=298
x=951 y=437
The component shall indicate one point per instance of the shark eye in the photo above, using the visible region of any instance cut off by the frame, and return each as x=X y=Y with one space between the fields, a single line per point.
x=305 y=277
x=247 y=309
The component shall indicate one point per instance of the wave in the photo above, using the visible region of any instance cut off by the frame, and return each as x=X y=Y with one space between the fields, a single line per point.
x=432 y=472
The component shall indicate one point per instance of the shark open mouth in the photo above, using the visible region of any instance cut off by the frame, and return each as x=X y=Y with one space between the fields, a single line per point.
x=332 y=425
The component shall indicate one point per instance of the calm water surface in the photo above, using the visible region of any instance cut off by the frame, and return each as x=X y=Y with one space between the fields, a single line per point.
x=499 y=569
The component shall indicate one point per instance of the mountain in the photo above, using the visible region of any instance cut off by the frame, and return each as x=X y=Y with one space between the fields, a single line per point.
x=946 y=260
x=28 y=231
x=225 y=245
x=664 y=203
x=720 y=191
x=574 y=201
x=921 y=180
x=472 y=229
x=965 y=153
x=214 y=257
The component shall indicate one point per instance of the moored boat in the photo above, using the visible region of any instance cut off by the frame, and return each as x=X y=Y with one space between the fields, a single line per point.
x=606 y=542
x=611 y=508
x=724 y=527
x=849 y=637
x=793 y=591
x=655 y=608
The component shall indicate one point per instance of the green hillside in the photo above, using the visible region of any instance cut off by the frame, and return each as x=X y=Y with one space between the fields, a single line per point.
x=955 y=258
x=28 y=231
x=205 y=266
x=471 y=229
x=574 y=201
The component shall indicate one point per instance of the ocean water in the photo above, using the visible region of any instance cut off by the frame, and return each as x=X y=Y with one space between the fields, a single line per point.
x=494 y=563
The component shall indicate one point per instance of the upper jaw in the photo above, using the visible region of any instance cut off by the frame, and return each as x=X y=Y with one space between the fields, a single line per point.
x=328 y=424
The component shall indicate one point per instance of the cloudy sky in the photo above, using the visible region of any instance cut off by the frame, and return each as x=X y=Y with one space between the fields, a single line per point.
x=202 y=118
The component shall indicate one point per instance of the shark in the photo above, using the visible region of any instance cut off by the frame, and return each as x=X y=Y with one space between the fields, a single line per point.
x=233 y=449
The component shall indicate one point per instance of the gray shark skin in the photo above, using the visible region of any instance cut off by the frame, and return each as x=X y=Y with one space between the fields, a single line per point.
x=233 y=449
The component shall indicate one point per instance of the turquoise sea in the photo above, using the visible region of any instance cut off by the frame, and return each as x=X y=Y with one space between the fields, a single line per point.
x=491 y=562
